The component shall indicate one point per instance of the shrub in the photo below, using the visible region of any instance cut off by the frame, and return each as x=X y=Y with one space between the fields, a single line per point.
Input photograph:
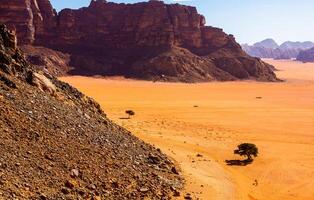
x=248 y=150
x=130 y=113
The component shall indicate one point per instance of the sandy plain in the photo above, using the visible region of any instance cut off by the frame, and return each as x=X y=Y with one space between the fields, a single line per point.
x=211 y=119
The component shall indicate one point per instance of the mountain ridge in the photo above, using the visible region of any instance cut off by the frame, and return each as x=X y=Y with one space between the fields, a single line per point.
x=270 y=49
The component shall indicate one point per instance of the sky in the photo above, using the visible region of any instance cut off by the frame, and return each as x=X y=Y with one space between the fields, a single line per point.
x=249 y=21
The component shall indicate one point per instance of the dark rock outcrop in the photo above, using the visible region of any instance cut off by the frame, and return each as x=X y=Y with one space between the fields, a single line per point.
x=111 y=39
x=56 y=143
x=53 y=62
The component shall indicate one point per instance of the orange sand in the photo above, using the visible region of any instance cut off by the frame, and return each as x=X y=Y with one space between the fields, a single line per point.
x=281 y=124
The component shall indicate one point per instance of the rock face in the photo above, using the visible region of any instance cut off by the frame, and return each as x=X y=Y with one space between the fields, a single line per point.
x=53 y=62
x=270 y=49
x=28 y=17
x=57 y=143
x=122 y=39
x=306 y=56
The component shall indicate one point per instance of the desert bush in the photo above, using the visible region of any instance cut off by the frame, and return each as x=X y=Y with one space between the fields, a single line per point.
x=248 y=150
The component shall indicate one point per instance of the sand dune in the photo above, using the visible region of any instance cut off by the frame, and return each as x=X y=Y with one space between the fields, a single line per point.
x=211 y=119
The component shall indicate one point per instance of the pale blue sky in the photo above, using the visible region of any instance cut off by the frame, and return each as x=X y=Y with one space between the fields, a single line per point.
x=249 y=20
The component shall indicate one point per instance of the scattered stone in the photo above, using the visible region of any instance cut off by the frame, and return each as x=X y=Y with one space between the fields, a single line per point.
x=65 y=191
x=92 y=187
x=42 y=197
x=174 y=170
x=188 y=196
x=154 y=160
x=96 y=198
x=74 y=173
x=81 y=192
x=70 y=184
x=144 y=189
x=176 y=193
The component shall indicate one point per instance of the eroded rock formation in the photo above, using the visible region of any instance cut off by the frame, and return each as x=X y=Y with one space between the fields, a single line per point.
x=118 y=39
x=28 y=17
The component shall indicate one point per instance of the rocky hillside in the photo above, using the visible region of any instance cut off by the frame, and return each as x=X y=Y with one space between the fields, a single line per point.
x=57 y=143
x=107 y=38
x=270 y=49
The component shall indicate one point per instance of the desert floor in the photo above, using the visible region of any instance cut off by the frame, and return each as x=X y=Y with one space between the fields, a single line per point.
x=211 y=119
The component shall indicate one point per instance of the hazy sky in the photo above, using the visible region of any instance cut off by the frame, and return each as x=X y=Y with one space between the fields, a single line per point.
x=249 y=20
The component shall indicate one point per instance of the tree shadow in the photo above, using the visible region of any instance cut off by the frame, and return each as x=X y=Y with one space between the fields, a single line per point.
x=124 y=118
x=238 y=162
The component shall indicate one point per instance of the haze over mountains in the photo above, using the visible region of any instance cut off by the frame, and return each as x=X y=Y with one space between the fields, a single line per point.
x=147 y=40
x=268 y=48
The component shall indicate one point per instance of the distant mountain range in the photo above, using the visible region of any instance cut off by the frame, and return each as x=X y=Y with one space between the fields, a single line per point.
x=306 y=55
x=270 y=49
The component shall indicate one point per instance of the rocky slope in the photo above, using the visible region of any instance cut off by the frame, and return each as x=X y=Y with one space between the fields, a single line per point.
x=270 y=49
x=48 y=60
x=119 y=39
x=57 y=143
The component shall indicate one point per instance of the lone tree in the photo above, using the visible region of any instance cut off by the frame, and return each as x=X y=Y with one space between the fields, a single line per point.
x=248 y=150
x=130 y=113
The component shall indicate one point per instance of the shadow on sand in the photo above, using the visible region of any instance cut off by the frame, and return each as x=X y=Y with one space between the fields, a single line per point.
x=238 y=162
x=124 y=118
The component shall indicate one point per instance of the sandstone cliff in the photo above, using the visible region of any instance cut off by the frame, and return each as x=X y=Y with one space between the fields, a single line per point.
x=120 y=39
x=28 y=17
x=56 y=143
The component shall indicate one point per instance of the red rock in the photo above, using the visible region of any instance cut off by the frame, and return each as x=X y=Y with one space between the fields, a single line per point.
x=118 y=39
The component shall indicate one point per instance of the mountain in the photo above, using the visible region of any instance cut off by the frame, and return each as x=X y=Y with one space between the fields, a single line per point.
x=297 y=45
x=107 y=38
x=267 y=43
x=306 y=55
x=270 y=49
x=56 y=143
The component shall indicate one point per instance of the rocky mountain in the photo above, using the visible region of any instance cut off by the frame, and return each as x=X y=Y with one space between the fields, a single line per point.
x=267 y=43
x=56 y=143
x=306 y=55
x=270 y=49
x=297 y=45
x=107 y=38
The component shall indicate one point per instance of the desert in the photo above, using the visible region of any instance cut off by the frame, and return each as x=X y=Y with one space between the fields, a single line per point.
x=199 y=125
x=156 y=100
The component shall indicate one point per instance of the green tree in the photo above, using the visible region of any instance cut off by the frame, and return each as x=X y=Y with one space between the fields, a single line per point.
x=248 y=150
